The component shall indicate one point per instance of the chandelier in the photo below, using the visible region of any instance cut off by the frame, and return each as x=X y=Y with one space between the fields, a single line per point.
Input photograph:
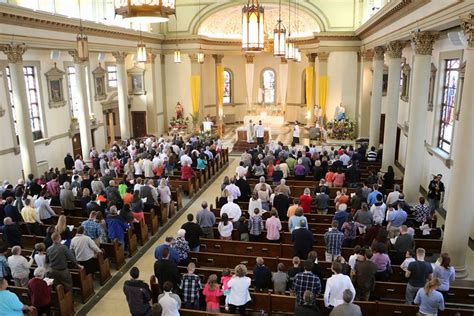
x=200 y=54
x=279 y=36
x=141 y=50
x=252 y=27
x=82 y=44
x=177 y=52
x=290 y=46
x=145 y=11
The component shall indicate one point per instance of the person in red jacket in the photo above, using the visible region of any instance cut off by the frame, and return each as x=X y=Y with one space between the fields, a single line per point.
x=305 y=201
x=187 y=172
x=40 y=292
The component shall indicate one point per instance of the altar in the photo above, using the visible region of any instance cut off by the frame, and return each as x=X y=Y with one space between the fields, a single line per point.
x=242 y=135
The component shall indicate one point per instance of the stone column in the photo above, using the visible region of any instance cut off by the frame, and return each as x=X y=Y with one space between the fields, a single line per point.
x=423 y=43
x=83 y=106
x=122 y=91
x=310 y=111
x=249 y=75
x=459 y=214
x=283 y=84
x=219 y=106
x=151 y=98
x=376 y=99
x=394 y=53
x=14 y=54
x=164 y=100
x=322 y=72
x=365 y=85
x=110 y=122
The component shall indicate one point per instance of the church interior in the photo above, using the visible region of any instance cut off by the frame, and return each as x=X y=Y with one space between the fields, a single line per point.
x=136 y=92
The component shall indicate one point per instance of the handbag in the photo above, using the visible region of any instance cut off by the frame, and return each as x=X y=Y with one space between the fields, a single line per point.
x=6 y=271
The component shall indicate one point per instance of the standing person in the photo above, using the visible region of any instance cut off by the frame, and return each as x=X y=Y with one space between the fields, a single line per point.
x=138 y=294
x=190 y=286
x=84 y=249
x=306 y=200
x=435 y=192
x=40 y=292
x=255 y=226
x=57 y=257
x=206 y=220
x=170 y=302
x=193 y=233
x=165 y=200
x=302 y=239
x=444 y=271
x=333 y=239
x=280 y=280
x=212 y=292
x=250 y=131
x=418 y=273
x=429 y=299
x=262 y=276
x=364 y=275
x=165 y=269
x=10 y=303
x=308 y=308
x=273 y=227
x=239 y=295
x=19 y=266
x=347 y=307
x=296 y=133
x=260 y=133
x=306 y=281
x=30 y=217
x=336 y=285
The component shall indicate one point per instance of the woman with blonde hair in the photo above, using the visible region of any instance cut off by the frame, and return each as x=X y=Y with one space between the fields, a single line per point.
x=165 y=200
x=62 y=229
x=239 y=295
x=429 y=299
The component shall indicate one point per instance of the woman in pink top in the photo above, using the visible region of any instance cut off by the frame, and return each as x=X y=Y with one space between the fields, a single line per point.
x=212 y=293
x=225 y=278
x=338 y=178
x=273 y=227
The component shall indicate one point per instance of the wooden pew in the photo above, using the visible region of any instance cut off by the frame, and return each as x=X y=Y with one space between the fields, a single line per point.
x=151 y=219
x=82 y=282
x=115 y=252
x=103 y=265
x=131 y=242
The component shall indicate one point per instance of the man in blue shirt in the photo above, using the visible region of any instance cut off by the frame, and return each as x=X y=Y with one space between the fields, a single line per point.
x=333 y=239
x=174 y=256
x=371 y=198
x=396 y=218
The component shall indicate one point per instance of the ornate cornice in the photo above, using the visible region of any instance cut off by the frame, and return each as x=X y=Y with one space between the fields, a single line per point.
x=323 y=56
x=120 y=57
x=467 y=24
x=218 y=58
x=14 y=52
x=367 y=55
x=75 y=57
x=312 y=57
x=194 y=58
x=249 y=58
x=379 y=52
x=150 y=59
x=394 y=49
x=423 y=42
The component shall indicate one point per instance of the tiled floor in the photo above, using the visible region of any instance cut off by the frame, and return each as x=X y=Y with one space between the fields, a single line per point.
x=114 y=303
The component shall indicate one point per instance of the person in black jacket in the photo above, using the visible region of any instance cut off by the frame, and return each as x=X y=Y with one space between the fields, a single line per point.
x=138 y=294
x=352 y=175
x=166 y=270
x=245 y=191
x=12 y=211
x=262 y=276
x=303 y=240
x=193 y=233
x=11 y=232
x=68 y=162
x=281 y=202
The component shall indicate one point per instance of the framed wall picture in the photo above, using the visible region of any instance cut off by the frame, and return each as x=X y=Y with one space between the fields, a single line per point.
x=99 y=83
x=136 y=81
x=55 y=78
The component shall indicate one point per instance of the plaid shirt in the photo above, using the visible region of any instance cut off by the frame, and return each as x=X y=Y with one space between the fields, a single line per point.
x=92 y=229
x=422 y=212
x=255 y=225
x=334 y=239
x=305 y=281
x=190 y=285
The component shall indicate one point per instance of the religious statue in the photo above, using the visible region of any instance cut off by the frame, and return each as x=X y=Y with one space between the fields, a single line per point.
x=179 y=111
x=317 y=114
x=340 y=113
x=207 y=124
x=250 y=132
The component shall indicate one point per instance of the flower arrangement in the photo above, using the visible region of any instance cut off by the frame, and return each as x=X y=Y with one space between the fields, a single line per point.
x=178 y=123
x=344 y=129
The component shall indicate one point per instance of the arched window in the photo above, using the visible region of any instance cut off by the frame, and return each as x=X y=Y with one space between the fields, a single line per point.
x=269 y=86
x=227 y=96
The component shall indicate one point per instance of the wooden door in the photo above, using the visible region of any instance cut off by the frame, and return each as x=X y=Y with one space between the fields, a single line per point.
x=397 y=144
x=76 y=145
x=139 y=123
x=382 y=128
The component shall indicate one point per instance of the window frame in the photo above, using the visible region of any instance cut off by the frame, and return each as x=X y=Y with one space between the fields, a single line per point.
x=262 y=86
x=108 y=87
x=67 y=65
x=231 y=87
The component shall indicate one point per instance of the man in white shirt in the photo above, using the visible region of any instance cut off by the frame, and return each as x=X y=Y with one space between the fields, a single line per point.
x=185 y=159
x=148 y=167
x=232 y=209
x=19 y=266
x=241 y=171
x=84 y=249
x=78 y=164
x=296 y=133
x=170 y=303
x=336 y=285
x=392 y=197
x=345 y=159
x=259 y=133
x=44 y=210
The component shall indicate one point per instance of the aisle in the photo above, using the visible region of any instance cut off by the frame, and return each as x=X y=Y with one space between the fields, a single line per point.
x=114 y=302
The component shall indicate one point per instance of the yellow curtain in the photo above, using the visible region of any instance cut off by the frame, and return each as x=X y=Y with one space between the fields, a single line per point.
x=195 y=93
x=220 y=83
x=309 y=88
x=323 y=93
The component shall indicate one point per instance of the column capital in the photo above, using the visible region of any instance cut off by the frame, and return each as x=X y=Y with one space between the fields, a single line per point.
x=366 y=54
x=283 y=60
x=249 y=58
x=150 y=58
x=311 y=57
x=14 y=52
x=119 y=57
x=162 y=59
x=379 y=52
x=423 y=42
x=394 y=49
x=467 y=24
x=218 y=58
x=75 y=57
x=323 y=56
x=193 y=58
